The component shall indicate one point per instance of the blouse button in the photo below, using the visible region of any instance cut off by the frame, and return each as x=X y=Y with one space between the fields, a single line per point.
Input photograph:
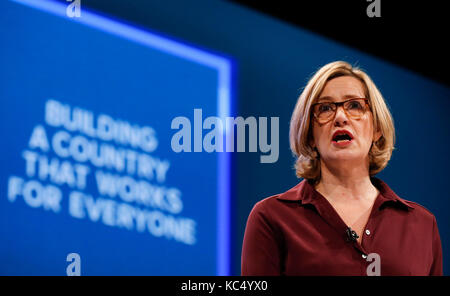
x=364 y=256
x=367 y=231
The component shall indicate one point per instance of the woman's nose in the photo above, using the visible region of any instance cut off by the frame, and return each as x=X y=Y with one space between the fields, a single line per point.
x=340 y=116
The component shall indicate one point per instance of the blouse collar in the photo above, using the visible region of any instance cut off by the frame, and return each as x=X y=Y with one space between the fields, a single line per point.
x=306 y=193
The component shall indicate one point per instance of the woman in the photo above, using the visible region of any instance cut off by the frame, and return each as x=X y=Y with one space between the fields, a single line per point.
x=340 y=220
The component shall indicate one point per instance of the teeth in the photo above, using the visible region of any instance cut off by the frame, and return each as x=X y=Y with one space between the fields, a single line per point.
x=341 y=139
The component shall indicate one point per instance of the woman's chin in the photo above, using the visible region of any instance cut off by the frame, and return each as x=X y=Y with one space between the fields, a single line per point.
x=343 y=156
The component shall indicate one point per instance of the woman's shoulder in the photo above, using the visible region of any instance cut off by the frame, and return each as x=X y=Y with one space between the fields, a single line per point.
x=419 y=209
x=265 y=204
x=415 y=209
x=274 y=202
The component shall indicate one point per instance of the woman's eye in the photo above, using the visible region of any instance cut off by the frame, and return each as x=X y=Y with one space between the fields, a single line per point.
x=325 y=107
x=355 y=105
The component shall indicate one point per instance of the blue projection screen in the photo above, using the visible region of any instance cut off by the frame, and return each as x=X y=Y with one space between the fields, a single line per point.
x=86 y=108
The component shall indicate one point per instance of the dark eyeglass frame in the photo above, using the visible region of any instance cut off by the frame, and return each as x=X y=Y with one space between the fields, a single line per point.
x=336 y=106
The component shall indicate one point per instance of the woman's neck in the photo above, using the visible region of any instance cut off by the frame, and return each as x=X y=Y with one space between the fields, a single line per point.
x=351 y=184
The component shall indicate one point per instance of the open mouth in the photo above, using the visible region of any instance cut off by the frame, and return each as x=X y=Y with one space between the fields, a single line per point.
x=342 y=136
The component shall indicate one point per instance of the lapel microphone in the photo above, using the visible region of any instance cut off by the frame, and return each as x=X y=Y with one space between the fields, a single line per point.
x=351 y=235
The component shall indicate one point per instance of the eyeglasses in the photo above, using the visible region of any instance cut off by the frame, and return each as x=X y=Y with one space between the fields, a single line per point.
x=353 y=108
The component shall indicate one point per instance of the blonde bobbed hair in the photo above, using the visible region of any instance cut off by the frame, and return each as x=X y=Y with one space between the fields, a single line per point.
x=307 y=163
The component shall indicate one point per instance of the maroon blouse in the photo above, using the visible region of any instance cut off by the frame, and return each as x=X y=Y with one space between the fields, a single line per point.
x=299 y=233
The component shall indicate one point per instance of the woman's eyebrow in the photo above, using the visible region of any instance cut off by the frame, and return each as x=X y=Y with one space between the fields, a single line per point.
x=329 y=98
